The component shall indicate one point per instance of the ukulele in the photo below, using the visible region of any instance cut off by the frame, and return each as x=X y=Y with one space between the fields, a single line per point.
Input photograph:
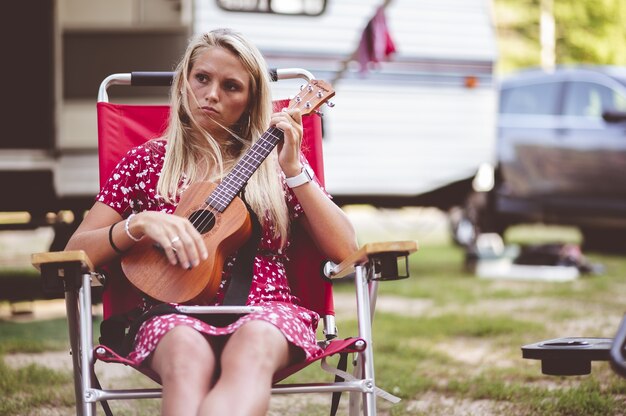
x=218 y=214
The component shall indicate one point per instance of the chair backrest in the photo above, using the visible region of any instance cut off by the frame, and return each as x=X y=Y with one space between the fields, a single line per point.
x=124 y=126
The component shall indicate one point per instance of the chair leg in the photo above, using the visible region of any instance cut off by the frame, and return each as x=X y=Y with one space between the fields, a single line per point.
x=72 y=311
x=365 y=358
x=78 y=316
x=86 y=343
x=369 y=399
x=354 y=405
x=369 y=404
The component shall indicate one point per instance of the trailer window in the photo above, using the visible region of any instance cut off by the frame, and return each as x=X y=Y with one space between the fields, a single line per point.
x=290 y=7
x=90 y=56
x=28 y=87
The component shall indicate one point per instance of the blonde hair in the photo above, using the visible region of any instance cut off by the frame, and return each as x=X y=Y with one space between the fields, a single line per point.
x=191 y=148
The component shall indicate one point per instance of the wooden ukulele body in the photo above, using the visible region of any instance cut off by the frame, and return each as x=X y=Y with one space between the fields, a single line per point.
x=149 y=270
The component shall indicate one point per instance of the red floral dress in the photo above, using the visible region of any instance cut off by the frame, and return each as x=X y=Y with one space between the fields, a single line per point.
x=131 y=188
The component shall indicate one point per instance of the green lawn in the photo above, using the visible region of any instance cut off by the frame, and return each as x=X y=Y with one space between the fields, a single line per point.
x=459 y=353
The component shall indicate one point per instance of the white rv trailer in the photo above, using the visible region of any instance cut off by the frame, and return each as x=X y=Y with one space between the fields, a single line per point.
x=419 y=125
x=417 y=128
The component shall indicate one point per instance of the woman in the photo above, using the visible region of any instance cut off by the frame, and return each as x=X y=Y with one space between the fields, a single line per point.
x=221 y=105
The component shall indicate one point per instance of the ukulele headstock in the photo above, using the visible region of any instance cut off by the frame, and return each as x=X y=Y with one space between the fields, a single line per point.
x=312 y=96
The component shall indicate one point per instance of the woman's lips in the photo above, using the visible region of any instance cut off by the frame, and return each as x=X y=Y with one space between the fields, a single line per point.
x=210 y=110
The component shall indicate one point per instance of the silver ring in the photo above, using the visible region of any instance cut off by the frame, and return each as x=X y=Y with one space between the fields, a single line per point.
x=175 y=239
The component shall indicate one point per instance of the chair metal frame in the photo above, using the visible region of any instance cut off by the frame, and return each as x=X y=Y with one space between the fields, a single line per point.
x=77 y=273
x=370 y=264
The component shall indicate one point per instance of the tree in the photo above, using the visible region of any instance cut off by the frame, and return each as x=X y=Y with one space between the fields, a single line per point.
x=591 y=31
x=587 y=31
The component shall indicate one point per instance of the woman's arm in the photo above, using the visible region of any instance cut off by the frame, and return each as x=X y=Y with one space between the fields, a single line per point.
x=92 y=235
x=325 y=222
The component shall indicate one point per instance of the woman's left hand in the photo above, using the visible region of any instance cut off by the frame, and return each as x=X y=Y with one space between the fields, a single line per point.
x=290 y=122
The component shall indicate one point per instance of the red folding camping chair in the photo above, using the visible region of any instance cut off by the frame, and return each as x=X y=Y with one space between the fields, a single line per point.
x=123 y=126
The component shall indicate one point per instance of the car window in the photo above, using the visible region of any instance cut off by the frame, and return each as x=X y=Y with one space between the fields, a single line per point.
x=588 y=99
x=541 y=98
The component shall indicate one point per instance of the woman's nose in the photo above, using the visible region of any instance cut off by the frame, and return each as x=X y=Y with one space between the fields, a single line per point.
x=211 y=93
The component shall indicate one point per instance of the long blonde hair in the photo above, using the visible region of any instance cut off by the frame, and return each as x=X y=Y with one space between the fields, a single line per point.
x=191 y=148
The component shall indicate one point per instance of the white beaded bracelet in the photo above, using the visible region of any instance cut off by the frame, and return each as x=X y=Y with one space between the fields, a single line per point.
x=127 y=228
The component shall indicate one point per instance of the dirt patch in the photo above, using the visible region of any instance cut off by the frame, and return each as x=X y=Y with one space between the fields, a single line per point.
x=435 y=405
x=475 y=353
x=345 y=305
x=56 y=360
x=62 y=361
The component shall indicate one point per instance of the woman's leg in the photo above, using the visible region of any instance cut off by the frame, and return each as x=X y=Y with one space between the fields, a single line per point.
x=185 y=362
x=248 y=362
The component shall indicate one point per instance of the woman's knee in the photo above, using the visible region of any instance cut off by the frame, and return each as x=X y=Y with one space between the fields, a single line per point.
x=257 y=344
x=183 y=352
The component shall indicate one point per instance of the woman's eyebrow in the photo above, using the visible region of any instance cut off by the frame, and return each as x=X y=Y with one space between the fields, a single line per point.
x=205 y=70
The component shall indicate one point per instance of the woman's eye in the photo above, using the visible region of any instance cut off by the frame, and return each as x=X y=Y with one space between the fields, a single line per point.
x=201 y=77
x=232 y=86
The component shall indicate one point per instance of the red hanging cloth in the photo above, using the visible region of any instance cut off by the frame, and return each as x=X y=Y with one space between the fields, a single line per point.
x=376 y=44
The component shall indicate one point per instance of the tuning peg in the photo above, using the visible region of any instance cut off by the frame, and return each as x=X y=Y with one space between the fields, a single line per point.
x=330 y=104
x=319 y=113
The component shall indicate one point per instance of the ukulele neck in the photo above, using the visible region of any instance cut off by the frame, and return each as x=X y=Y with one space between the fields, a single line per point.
x=236 y=180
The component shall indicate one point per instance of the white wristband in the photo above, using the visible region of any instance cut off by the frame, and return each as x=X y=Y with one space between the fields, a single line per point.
x=127 y=228
x=305 y=176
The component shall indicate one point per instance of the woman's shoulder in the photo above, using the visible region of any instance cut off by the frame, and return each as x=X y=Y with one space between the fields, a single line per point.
x=152 y=151
x=154 y=146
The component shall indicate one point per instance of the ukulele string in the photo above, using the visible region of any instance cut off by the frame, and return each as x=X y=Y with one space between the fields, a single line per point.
x=219 y=194
x=223 y=194
x=205 y=218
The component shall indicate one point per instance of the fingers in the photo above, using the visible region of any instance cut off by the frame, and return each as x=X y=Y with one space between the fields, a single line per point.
x=290 y=122
x=171 y=253
x=189 y=247
x=197 y=241
x=181 y=242
x=295 y=114
x=186 y=246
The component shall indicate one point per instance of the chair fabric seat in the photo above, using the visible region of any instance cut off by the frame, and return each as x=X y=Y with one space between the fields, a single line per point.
x=333 y=347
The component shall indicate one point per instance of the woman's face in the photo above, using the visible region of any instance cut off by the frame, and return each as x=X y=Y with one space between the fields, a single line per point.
x=221 y=86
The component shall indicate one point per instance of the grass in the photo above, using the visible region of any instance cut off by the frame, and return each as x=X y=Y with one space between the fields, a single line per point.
x=33 y=387
x=36 y=336
x=460 y=354
x=33 y=337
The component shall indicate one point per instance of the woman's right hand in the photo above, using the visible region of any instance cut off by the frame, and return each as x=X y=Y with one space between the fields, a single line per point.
x=181 y=242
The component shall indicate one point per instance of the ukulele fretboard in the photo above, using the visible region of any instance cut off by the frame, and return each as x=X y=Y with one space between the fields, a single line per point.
x=234 y=182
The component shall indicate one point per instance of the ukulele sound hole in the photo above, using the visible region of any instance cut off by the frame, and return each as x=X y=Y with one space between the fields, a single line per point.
x=202 y=220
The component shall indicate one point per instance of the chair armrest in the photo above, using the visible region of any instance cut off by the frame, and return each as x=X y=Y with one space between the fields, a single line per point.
x=62 y=257
x=62 y=271
x=368 y=252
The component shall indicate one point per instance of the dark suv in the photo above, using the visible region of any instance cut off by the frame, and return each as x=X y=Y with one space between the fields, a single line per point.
x=561 y=154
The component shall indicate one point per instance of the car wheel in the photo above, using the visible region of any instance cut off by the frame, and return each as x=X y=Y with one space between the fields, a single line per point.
x=475 y=218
